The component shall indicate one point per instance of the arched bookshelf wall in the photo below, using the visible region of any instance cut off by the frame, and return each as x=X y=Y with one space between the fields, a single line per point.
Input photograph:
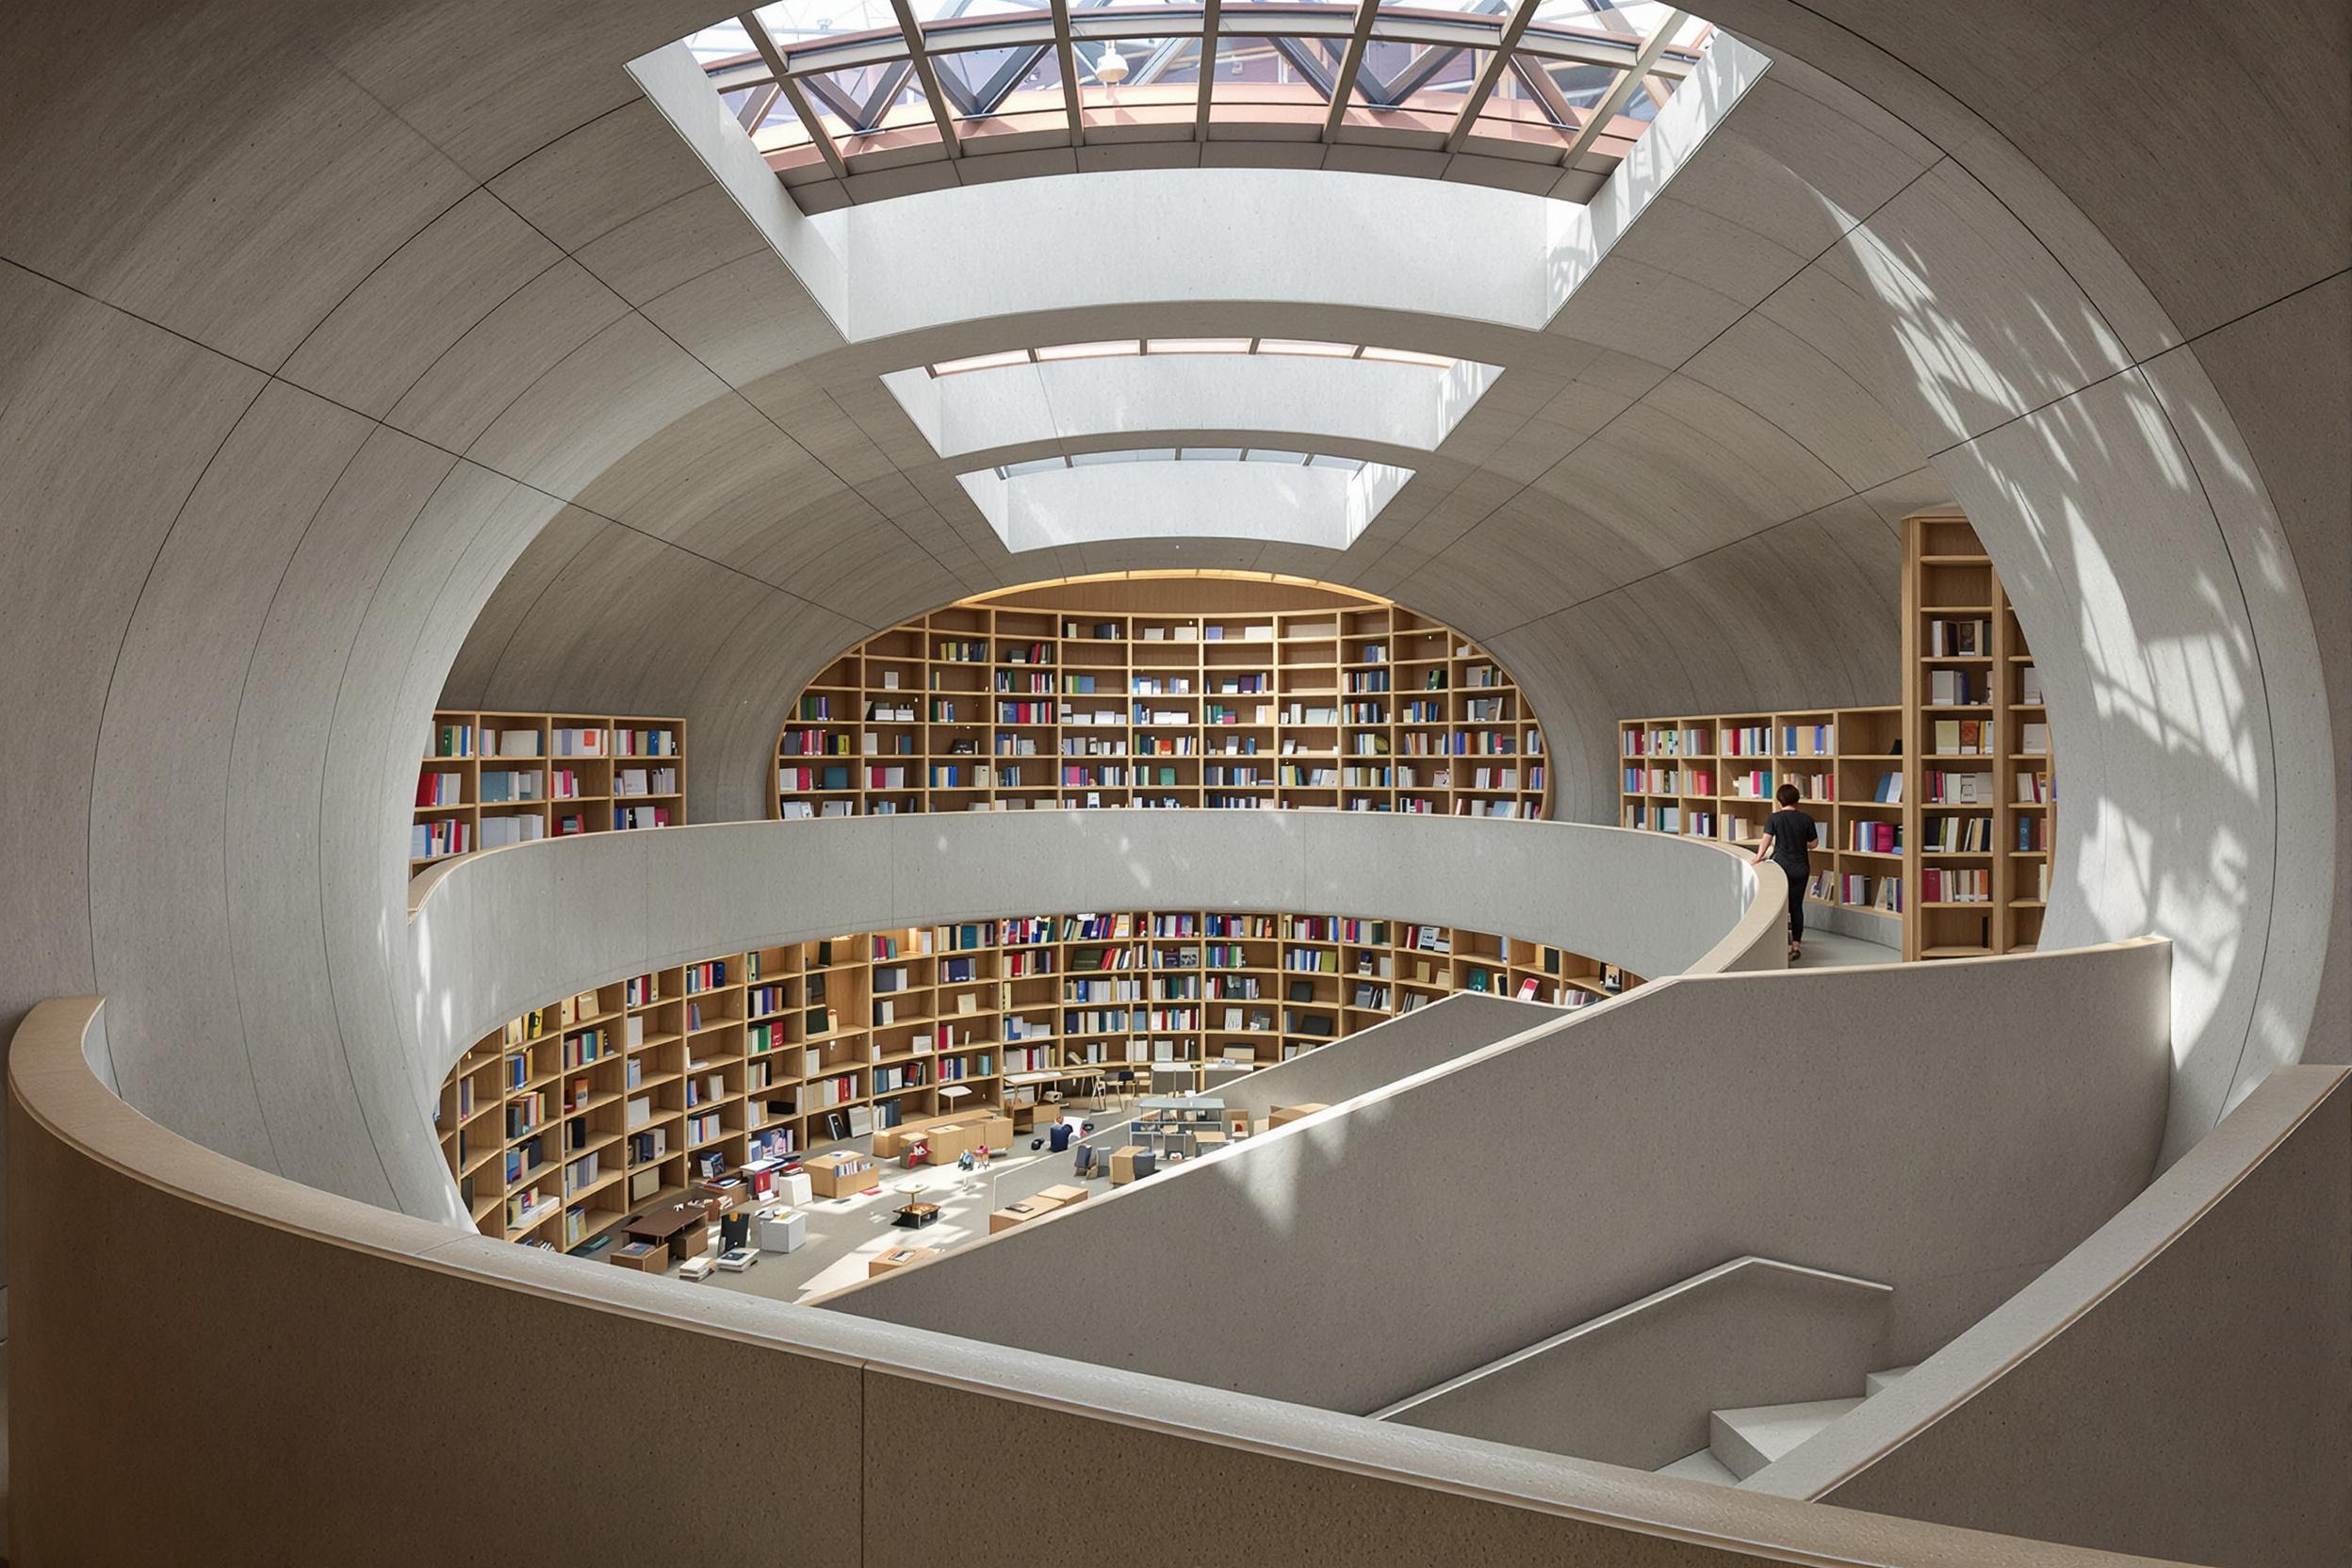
x=1166 y=689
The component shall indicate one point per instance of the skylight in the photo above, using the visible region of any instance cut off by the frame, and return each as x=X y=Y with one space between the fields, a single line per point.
x=820 y=84
x=1119 y=348
x=1168 y=495
x=1184 y=454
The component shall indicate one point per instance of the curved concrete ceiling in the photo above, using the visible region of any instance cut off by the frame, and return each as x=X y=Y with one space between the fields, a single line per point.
x=357 y=355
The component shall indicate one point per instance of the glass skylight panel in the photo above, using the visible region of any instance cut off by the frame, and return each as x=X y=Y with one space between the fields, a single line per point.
x=724 y=43
x=1261 y=454
x=1196 y=346
x=1351 y=464
x=1209 y=454
x=1109 y=349
x=1305 y=347
x=1095 y=460
x=981 y=362
x=1406 y=356
x=792 y=22
x=1033 y=465
x=986 y=82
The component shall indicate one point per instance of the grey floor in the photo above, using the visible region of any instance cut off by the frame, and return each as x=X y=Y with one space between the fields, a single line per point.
x=1829 y=949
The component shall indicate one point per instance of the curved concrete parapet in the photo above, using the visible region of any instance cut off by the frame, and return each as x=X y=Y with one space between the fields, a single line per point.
x=2187 y=1369
x=1950 y=1130
x=344 y=1366
x=498 y=933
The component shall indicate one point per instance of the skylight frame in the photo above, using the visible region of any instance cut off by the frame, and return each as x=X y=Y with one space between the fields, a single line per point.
x=1506 y=39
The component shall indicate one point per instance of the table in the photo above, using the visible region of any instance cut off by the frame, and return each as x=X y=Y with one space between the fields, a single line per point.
x=1020 y=1213
x=684 y=1227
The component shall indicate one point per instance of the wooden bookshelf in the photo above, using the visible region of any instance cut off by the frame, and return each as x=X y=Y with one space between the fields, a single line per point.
x=664 y=1080
x=1713 y=775
x=1972 y=687
x=1164 y=690
x=489 y=779
x=1980 y=810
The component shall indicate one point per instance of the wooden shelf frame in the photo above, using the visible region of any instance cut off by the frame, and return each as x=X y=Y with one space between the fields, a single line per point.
x=1949 y=575
x=723 y=1060
x=994 y=704
x=455 y=765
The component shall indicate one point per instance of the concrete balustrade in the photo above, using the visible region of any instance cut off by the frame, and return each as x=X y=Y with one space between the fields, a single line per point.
x=363 y=1361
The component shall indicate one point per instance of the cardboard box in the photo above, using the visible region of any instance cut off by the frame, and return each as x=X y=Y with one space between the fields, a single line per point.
x=783 y=1233
x=1065 y=1196
x=1022 y=1213
x=649 y=1257
x=899 y=1257
x=1283 y=1114
x=950 y=1141
x=1130 y=1161
x=796 y=1188
x=841 y=1175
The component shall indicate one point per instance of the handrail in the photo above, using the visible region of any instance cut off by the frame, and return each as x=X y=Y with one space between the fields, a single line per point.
x=220 y=1303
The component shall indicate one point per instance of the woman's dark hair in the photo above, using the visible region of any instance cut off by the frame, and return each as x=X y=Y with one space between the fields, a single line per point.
x=1786 y=794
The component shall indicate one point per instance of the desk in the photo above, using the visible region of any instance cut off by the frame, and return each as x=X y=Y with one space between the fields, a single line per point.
x=1036 y=1207
x=899 y=1257
x=684 y=1227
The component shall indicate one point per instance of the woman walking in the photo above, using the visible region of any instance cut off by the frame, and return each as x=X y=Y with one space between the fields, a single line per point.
x=1787 y=834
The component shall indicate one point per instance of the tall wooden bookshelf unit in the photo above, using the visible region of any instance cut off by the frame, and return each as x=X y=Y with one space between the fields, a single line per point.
x=1957 y=864
x=489 y=779
x=561 y=1124
x=1980 y=810
x=1165 y=689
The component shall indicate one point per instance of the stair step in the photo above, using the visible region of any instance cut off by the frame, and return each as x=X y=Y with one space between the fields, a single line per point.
x=1879 y=1382
x=1701 y=1466
x=1748 y=1440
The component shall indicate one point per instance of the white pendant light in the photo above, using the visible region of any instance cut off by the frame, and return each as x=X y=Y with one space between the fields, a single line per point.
x=1110 y=65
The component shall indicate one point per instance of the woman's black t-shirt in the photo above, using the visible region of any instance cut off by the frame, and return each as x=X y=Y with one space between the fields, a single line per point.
x=1791 y=830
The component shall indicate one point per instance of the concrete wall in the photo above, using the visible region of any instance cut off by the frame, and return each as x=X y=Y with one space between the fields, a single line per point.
x=244 y=1308
x=2016 y=1105
x=2182 y=1381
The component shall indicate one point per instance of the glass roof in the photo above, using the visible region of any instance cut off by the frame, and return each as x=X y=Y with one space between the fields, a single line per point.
x=1573 y=82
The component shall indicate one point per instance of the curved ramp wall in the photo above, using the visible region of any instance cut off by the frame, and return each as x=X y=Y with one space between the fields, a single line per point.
x=252 y=1304
x=1950 y=1130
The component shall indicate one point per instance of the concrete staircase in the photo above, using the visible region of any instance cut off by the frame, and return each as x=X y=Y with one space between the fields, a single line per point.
x=1741 y=1441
